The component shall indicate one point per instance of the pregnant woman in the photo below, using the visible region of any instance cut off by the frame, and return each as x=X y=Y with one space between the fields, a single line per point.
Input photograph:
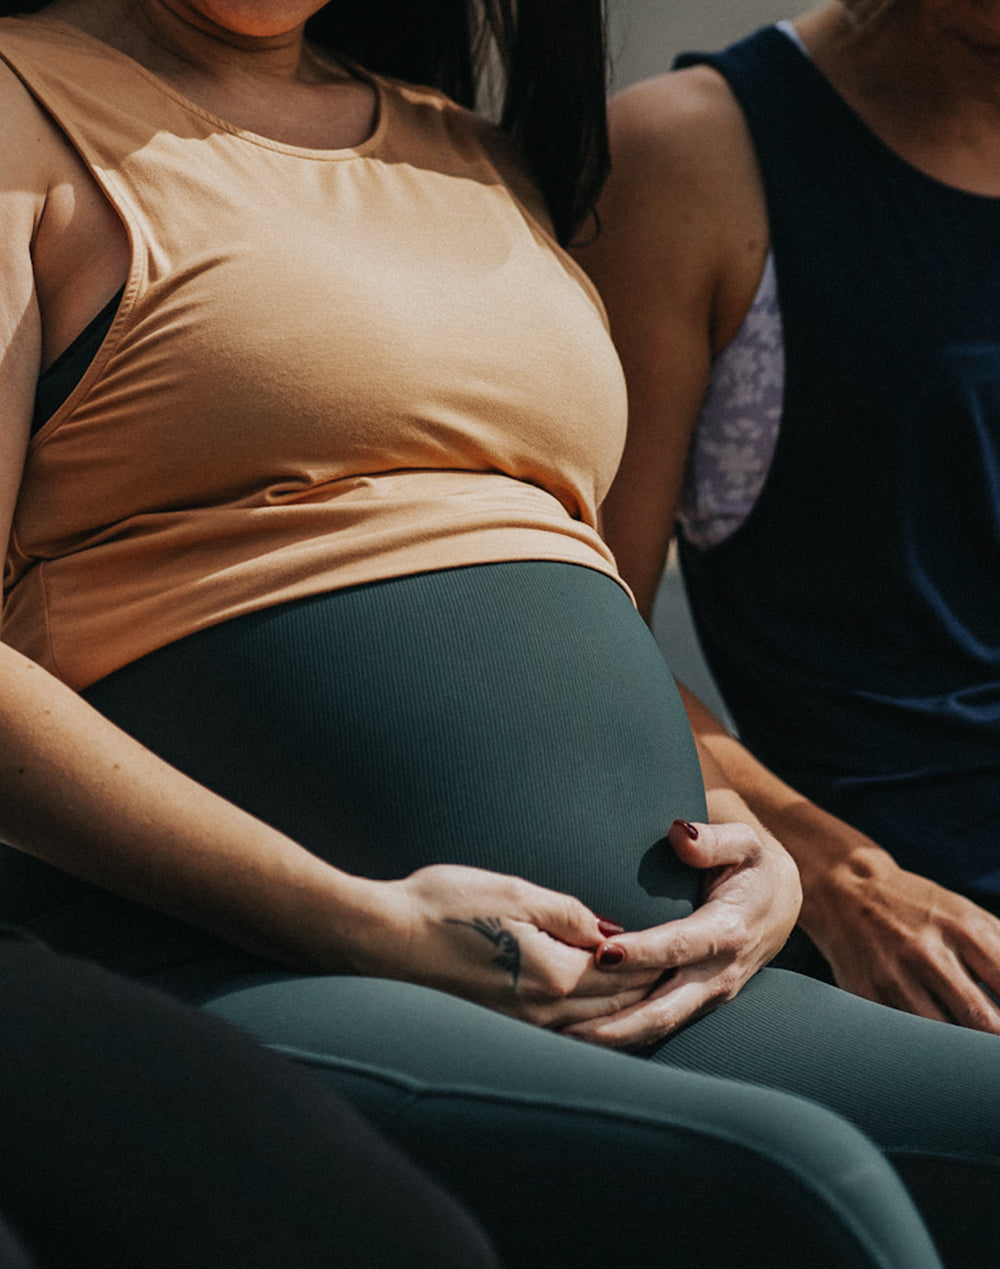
x=321 y=701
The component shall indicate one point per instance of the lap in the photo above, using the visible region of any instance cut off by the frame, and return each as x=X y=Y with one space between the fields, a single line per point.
x=912 y=1085
x=921 y=1090
x=571 y=1154
x=541 y=737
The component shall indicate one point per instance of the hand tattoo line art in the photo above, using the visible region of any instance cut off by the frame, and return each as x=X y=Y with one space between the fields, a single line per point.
x=492 y=928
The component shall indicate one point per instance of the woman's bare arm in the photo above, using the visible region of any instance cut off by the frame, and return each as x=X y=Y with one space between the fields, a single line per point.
x=677 y=261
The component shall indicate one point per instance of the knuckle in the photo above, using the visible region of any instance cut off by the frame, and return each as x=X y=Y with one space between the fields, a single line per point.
x=659 y=1019
x=731 y=933
x=548 y=984
x=920 y=950
x=517 y=890
x=679 y=949
x=536 y=1014
x=980 y=1017
x=741 y=836
x=573 y=912
x=753 y=848
x=621 y=1000
x=727 y=984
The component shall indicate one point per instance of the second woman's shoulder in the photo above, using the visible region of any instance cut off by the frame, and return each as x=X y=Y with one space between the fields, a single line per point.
x=684 y=196
x=683 y=218
x=683 y=130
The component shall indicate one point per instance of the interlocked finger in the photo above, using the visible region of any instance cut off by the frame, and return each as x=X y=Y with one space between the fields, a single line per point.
x=681 y=1000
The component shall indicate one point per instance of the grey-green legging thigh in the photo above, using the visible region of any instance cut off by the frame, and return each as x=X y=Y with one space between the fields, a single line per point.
x=519 y=717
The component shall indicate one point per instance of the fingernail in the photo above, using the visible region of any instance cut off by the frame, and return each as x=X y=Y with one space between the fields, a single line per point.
x=609 y=955
x=687 y=828
x=608 y=928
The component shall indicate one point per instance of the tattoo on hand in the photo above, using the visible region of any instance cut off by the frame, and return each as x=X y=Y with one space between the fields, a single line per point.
x=492 y=928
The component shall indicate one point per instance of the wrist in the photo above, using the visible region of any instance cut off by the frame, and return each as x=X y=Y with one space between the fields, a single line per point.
x=356 y=925
x=320 y=920
x=840 y=877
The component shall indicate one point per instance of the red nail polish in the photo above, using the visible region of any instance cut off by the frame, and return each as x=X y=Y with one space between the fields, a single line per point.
x=610 y=955
x=687 y=828
x=609 y=928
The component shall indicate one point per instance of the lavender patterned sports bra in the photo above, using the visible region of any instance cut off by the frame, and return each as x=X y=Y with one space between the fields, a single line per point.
x=737 y=430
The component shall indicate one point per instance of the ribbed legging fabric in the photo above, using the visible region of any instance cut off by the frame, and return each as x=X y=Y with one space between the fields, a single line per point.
x=519 y=717
x=517 y=713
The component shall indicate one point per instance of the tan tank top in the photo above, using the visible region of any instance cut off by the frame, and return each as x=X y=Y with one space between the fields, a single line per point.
x=328 y=367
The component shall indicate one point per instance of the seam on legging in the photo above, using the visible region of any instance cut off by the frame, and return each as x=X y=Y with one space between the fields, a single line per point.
x=826 y=1200
x=950 y=1156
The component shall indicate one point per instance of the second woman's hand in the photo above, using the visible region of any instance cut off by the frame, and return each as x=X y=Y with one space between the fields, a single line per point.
x=751 y=900
x=499 y=941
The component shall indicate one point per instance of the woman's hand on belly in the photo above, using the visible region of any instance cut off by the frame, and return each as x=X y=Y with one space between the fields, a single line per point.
x=499 y=941
x=751 y=901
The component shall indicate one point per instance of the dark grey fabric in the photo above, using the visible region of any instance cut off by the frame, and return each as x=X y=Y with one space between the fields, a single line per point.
x=135 y=1131
x=519 y=717
x=572 y=1155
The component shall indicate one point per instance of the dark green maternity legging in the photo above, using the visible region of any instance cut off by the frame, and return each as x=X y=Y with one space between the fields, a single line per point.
x=519 y=717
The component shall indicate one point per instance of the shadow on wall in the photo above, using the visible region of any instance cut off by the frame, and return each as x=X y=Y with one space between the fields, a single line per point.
x=645 y=36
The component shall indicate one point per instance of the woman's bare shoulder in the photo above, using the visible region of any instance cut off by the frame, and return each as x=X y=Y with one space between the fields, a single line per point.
x=25 y=177
x=684 y=134
x=697 y=96
x=685 y=201
x=684 y=188
x=28 y=142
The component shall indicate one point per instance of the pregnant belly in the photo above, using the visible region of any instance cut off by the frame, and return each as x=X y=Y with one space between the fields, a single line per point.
x=517 y=717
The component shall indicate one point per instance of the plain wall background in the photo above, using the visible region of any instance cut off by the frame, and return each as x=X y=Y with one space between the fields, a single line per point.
x=645 y=36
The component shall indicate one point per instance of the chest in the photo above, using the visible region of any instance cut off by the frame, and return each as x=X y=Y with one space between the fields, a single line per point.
x=280 y=334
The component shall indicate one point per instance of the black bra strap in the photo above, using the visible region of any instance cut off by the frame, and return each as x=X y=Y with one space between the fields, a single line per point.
x=57 y=382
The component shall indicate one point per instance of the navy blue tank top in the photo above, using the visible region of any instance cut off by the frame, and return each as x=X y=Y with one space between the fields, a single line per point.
x=853 y=620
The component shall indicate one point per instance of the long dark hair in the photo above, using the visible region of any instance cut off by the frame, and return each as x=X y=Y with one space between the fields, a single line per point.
x=546 y=59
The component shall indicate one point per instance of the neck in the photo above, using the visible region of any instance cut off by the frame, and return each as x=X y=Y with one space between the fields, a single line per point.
x=252 y=68
x=911 y=58
x=913 y=79
x=182 y=43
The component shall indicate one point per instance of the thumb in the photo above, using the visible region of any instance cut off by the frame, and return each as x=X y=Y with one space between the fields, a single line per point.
x=712 y=845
